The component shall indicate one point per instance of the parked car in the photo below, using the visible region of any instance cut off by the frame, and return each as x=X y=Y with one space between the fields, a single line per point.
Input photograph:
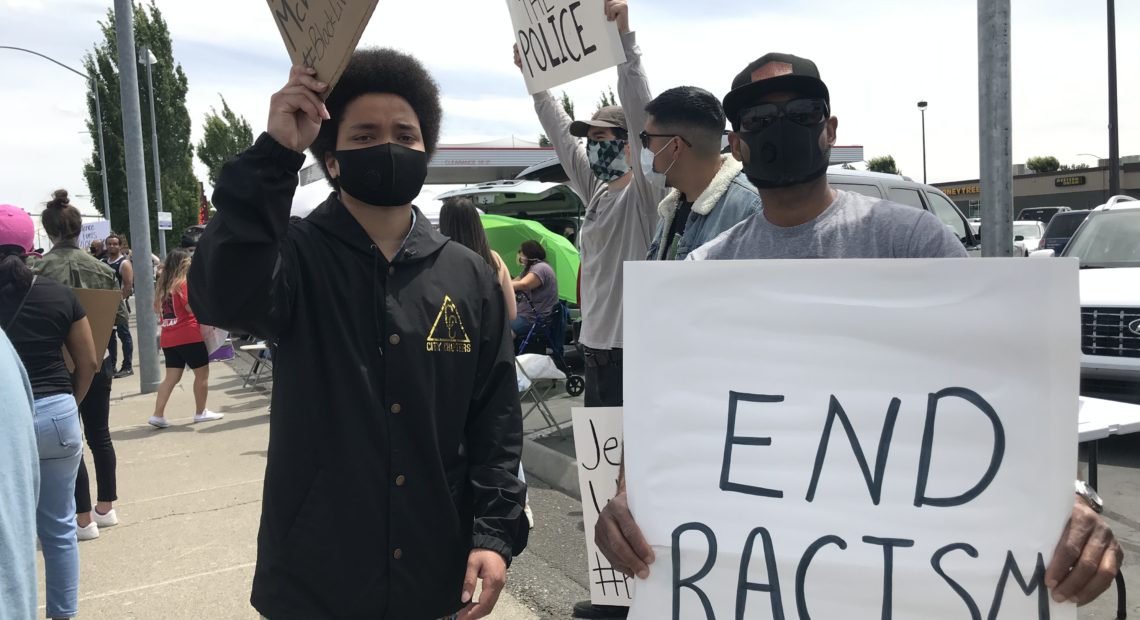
x=903 y=190
x=1107 y=245
x=554 y=205
x=1027 y=236
x=1041 y=214
x=1061 y=229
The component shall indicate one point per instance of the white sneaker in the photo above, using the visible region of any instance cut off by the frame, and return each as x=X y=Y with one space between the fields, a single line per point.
x=158 y=422
x=108 y=520
x=91 y=532
x=208 y=416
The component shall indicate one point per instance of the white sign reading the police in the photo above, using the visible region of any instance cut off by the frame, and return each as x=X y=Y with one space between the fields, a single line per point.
x=562 y=40
x=851 y=439
x=598 y=445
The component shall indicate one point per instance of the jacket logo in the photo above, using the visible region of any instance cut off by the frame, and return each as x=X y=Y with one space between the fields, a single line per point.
x=448 y=334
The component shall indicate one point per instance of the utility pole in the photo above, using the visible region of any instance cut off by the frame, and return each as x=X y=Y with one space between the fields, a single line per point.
x=149 y=59
x=996 y=127
x=1113 y=113
x=136 y=195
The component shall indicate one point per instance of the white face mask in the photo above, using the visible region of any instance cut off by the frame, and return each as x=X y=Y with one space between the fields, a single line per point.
x=656 y=179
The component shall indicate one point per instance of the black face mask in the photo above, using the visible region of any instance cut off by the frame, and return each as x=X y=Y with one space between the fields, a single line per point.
x=389 y=175
x=785 y=154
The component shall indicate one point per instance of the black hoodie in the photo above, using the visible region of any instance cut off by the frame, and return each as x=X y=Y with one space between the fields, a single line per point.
x=395 y=431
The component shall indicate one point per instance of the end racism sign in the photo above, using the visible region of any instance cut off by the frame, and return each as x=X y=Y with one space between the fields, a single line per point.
x=562 y=40
x=851 y=439
x=322 y=33
x=598 y=444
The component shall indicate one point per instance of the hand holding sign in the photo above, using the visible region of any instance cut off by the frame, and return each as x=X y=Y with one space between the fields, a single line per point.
x=296 y=111
x=1086 y=560
x=621 y=541
x=618 y=10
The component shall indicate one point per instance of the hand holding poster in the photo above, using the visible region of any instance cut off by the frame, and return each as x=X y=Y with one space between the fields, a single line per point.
x=562 y=40
x=598 y=444
x=851 y=439
x=322 y=33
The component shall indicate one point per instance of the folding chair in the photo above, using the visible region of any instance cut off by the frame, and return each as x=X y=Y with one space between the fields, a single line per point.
x=533 y=368
x=260 y=352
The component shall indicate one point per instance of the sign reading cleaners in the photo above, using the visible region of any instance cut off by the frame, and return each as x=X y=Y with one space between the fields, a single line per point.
x=322 y=33
x=597 y=442
x=563 y=40
x=851 y=439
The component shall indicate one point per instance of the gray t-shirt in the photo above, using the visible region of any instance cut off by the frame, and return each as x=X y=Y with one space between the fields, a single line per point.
x=854 y=226
x=542 y=298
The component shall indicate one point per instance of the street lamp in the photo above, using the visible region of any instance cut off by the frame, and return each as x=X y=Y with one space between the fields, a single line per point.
x=149 y=60
x=922 y=108
x=98 y=114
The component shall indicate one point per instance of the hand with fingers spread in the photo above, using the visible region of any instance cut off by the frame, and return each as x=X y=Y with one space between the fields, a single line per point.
x=297 y=110
x=491 y=568
x=1086 y=560
x=621 y=541
x=618 y=10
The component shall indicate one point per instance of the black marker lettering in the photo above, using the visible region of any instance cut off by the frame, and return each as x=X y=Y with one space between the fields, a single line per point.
x=920 y=498
x=936 y=562
x=1036 y=582
x=805 y=563
x=743 y=586
x=888 y=567
x=731 y=439
x=874 y=481
x=586 y=51
x=689 y=582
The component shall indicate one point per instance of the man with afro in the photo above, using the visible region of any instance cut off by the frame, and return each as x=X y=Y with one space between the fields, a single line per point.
x=394 y=442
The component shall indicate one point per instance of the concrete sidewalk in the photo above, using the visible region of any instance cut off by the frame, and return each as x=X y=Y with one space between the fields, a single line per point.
x=190 y=500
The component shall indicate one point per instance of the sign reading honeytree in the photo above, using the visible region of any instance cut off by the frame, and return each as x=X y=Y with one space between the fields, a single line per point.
x=836 y=439
x=562 y=40
x=322 y=33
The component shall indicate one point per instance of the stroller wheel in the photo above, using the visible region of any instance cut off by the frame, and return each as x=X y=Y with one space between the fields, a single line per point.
x=575 y=385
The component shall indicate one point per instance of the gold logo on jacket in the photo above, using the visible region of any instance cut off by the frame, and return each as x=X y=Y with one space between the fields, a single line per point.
x=448 y=334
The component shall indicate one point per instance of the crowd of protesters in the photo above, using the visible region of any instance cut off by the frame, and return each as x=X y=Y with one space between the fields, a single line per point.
x=421 y=425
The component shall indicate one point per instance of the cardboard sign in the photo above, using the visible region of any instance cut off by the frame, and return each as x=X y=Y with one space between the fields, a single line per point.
x=851 y=439
x=322 y=33
x=101 y=307
x=98 y=229
x=563 y=40
x=598 y=444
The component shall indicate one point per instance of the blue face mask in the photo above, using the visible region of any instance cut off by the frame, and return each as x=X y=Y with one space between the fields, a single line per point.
x=607 y=159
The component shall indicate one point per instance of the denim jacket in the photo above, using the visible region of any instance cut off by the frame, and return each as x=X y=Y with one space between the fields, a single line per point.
x=728 y=200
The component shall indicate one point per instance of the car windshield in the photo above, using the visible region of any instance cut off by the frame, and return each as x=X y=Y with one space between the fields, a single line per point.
x=1065 y=224
x=1027 y=230
x=1108 y=239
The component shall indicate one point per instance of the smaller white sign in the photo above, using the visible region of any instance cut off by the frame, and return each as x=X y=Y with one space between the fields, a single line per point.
x=165 y=220
x=96 y=229
x=598 y=444
x=560 y=41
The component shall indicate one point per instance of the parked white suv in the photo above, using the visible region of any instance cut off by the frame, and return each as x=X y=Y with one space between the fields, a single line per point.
x=1108 y=246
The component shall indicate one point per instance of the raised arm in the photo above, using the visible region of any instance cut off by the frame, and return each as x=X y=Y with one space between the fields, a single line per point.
x=634 y=95
x=241 y=276
x=571 y=153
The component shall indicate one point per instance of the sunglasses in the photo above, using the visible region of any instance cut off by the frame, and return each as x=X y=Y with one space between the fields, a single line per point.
x=806 y=112
x=645 y=136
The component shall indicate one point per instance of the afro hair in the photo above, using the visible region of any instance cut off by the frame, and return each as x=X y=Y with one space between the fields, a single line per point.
x=381 y=70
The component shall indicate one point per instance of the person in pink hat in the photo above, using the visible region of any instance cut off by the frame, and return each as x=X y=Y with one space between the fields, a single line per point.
x=41 y=317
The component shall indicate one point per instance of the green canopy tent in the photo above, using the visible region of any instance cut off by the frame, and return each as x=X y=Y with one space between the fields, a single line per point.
x=506 y=234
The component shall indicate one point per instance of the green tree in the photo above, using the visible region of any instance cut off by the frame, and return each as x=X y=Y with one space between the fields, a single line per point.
x=224 y=135
x=1046 y=163
x=179 y=186
x=607 y=98
x=885 y=164
x=1080 y=166
x=568 y=105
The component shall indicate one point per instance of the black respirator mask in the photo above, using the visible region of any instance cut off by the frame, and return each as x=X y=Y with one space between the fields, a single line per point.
x=783 y=142
x=388 y=175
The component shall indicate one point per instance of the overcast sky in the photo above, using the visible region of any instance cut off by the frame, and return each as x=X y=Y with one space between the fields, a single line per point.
x=879 y=58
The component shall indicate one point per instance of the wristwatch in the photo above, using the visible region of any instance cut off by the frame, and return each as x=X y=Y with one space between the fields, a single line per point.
x=1090 y=496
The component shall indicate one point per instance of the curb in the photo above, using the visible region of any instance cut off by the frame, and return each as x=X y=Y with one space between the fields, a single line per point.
x=552 y=467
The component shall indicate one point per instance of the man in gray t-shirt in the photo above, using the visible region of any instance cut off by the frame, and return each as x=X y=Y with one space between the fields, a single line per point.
x=853 y=226
x=783 y=132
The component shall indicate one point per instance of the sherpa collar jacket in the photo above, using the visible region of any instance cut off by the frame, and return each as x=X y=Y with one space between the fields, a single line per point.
x=395 y=430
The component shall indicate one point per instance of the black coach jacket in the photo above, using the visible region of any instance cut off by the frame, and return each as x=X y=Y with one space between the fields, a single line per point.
x=395 y=431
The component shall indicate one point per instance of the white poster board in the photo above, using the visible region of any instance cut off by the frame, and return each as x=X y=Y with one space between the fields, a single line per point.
x=560 y=41
x=598 y=444
x=165 y=220
x=96 y=229
x=741 y=428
